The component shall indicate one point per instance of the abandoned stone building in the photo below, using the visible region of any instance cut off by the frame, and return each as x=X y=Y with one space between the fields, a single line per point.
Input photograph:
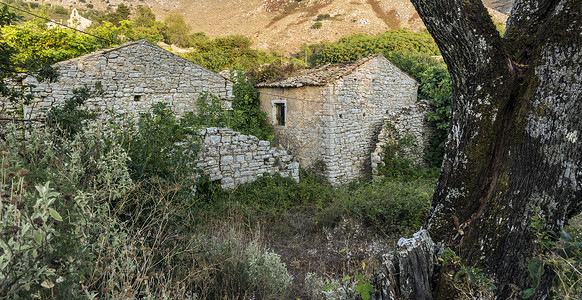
x=133 y=76
x=335 y=113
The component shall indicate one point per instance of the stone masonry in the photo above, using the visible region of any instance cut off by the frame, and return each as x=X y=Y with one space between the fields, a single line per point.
x=334 y=113
x=408 y=121
x=134 y=76
x=234 y=158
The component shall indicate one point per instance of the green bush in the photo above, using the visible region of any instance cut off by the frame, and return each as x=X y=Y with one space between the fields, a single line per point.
x=60 y=10
x=49 y=251
x=358 y=46
x=435 y=85
x=322 y=17
x=396 y=162
x=69 y=118
x=230 y=266
x=392 y=207
x=160 y=145
x=560 y=252
x=316 y=25
x=230 y=52
x=247 y=116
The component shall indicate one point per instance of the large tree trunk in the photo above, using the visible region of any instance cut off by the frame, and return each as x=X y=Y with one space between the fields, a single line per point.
x=515 y=141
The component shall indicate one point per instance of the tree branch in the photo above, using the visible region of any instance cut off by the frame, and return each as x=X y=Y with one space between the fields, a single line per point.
x=465 y=34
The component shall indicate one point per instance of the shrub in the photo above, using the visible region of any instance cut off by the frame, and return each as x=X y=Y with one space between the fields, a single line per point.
x=60 y=10
x=358 y=46
x=58 y=224
x=392 y=207
x=229 y=266
x=560 y=252
x=322 y=17
x=273 y=72
x=436 y=87
x=396 y=161
x=27 y=224
x=316 y=25
x=247 y=116
x=69 y=118
x=160 y=145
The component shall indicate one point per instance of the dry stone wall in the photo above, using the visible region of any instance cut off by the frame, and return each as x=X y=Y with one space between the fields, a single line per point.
x=234 y=158
x=133 y=76
x=407 y=121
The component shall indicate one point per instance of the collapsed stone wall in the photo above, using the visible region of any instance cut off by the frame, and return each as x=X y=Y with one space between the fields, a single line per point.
x=234 y=158
x=133 y=76
x=407 y=121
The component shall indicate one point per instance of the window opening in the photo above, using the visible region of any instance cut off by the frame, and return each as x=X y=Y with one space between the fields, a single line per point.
x=280 y=113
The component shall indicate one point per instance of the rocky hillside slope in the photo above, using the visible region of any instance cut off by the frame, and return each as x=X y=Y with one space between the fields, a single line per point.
x=284 y=25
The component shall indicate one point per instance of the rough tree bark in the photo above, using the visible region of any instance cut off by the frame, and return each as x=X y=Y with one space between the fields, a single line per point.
x=515 y=141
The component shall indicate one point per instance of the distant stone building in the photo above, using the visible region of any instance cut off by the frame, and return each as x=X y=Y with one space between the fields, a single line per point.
x=77 y=21
x=133 y=76
x=335 y=113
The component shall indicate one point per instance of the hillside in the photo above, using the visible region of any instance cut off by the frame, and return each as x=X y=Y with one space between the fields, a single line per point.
x=284 y=25
x=503 y=6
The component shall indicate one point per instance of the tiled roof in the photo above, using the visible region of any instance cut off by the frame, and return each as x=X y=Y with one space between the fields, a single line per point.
x=319 y=76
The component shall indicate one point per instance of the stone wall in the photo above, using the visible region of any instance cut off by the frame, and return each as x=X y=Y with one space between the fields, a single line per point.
x=134 y=76
x=234 y=158
x=305 y=128
x=408 y=121
x=363 y=100
x=339 y=122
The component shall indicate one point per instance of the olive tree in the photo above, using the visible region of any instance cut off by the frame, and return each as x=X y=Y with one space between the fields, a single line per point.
x=515 y=138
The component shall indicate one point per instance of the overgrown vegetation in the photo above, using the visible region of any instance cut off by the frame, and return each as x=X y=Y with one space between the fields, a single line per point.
x=358 y=46
x=396 y=153
x=94 y=209
x=562 y=254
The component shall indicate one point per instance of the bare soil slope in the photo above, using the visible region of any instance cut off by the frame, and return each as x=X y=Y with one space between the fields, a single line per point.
x=284 y=25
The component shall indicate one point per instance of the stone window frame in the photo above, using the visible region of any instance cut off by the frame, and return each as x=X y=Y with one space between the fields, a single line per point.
x=274 y=112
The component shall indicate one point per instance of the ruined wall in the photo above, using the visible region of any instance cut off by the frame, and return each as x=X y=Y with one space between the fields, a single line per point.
x=133 y=76
x=234 y=158
x=408 y=121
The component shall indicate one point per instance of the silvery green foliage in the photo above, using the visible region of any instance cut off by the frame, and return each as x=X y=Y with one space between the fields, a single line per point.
x=267 y=271
x=330 y=288
x=36 y=222
x=90 y=160
x=26 y=236
x=229 y=264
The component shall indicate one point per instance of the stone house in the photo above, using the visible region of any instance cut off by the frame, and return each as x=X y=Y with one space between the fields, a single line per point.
x=335 y=113
x=77 y=21
x=133 y=76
